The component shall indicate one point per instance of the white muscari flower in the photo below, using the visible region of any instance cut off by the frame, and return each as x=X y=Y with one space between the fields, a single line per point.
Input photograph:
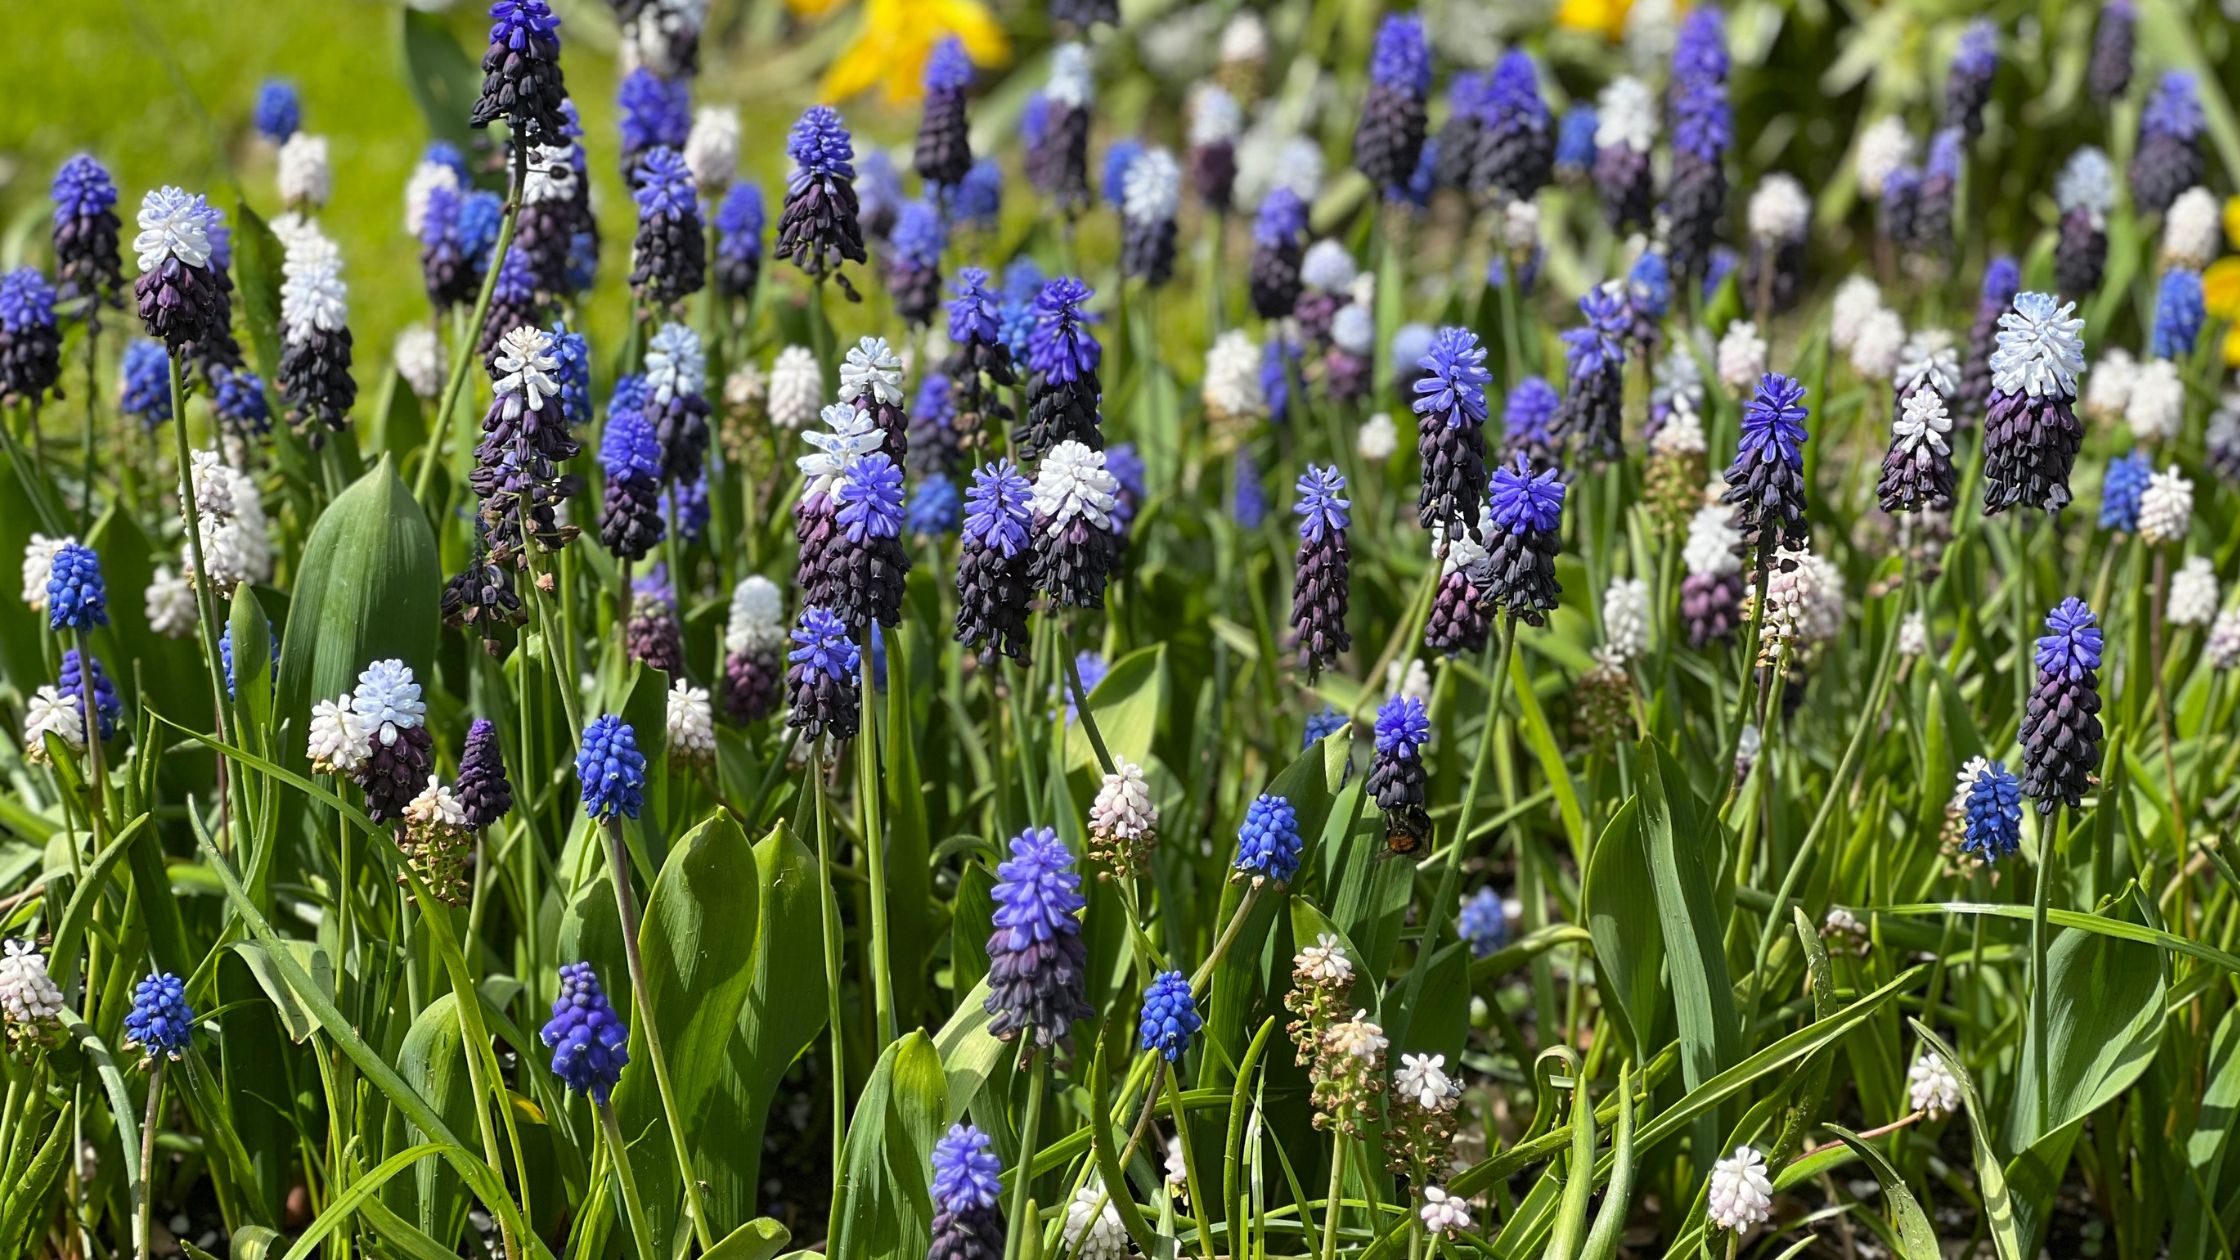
x=692 y=722
x=425 y=179
x=1073 y=482
x=1323 y=962
x=1841 y=922
x=758 y=617
x=2193 y=593
x=1093 y=1230
x=1123 y=808
x=1422 y=1080
x=1779 y=210
x=1354 y=330
x=436 y=808
x=1411 y=679
x=550 y=175
x=1922 y=427
x=1625 y=115
x=2223 y=647
x=38 y=567
x=2192 y=230
x=1215 y=116
x=796 y=388
x=388 y=700
x=419 y=359
x=339 y=741
x=847 y=434
x=525 y=365
x=1460 y=553
x=1742 y=357
x=1377 y=439
x=2166 y=507
x=1071 y=82
x=2107 y=388
x=2040 y=348
x=312 y=293
x=1520 y=232
x=49 y=712
x=711 y=148
x=1929 y=359
x=1804 y=601
x=303 y=174
x=1328 y=266
x=2087 y=182
x=675 y=363
x=1178 y=1171
x=1269 y=155
x=2156 y=406
x=1881 y=339
x=1443 y=1214
x=174 y=223
x=1625 y=618
x=872 y=370
x=1677 y=377
x=169 y=600
x=747 y=388
x=1151 y=187
x=1856 y=301
x=1712 y=538
x=1682 y=431
x=1359 y=1037
x=1741 y=1194
x=1884 y=146
x=1245 y=38
x=1931 y=1086
x=27 y=993
x=1913 y=635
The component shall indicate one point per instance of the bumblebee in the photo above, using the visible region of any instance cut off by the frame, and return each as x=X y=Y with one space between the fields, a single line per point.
x=1406 y=830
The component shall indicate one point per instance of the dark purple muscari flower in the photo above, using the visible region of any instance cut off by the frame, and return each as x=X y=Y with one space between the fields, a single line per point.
x=818 y=228
x=1397 y=778
x=2002 y=277
x=2178 y=313
x=1931 y=229
x=671 y=253
x=99 y=706
x=87 y=267
x=2061 y=726
x=1593 y=408
x=868 y=556
x=2121 y=489
x=525 y=439
x=994 y=590
x=237 y=399
x=2080 y=251
x=1991 y=804
x=1389 y=137
x=2109 y=71
x=183 y=293
x=277 y=113
x=1450 y=407
x=30 y=344
x=1766 y=483
x=739 y=222
x=631 y=523
x=521 y=80
x=551 y=214
x=1575 y=151
x=966 y=1222
x=1711 y=607
x=914 y=262
x=145 y=384
x=1528 y=423
x=1064 y=393
x=822 y=680
x=943 y=152
x=449 y=272
x=1279 y=231
x=485 y=794
x=2030 y=430
x=1320 y=589
x=1518 y=573
x=1037 y=961
x=1456 y=144
x=590 y=1042
x=980 y=358
x=1967 y=86
x=397 y=772
x=1515 y=152
x=2168 y=160
x=1702 y=128
x=514 y=302
x=656 y=114
x=652 y=636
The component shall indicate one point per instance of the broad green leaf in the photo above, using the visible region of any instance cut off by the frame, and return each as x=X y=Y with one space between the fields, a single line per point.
x=1621 y=910
x=1917 y=1241
x=882 y=1202
x=29 y=1199
x=758 y=1239
x=434 y=1059
x=294 y=1019
x=1126 y=705
x=257 y=258
x=2194 y=1229
x=443 y=79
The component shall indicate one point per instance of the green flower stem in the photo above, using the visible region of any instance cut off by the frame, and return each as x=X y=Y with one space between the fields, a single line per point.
x=2041 y=896
x=640 y=1233
x=829 y=924
x=874 y=850
x=2159 y=597
x=1022 y=1173
x=142 y=1196
x=462 y=355
x=97 y=808
x=206 y=608
x=1072 y=663
x=1190 y=1181
x=618 y=862
x=1335 y=1199
x=93 y=378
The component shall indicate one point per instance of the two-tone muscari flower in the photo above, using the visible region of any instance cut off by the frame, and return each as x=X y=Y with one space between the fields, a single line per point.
x=30 y=344
x=1766 y=482
x=819 y=226
x=160 y=1022
x=942 y=155
x=2084 y=193
x=1779 y=217
x=1076 y=535
x=1064 y=392
x=1625 y=130
x=1522 y=524
x=1389 y=137
x=1398 y=779
x=2108 y=73
x=452 y=255
x=315 y=343
x=1037 y=961
x=2031 y=434
x=966 y=1185
x=2061 y=725
x=548 y=217
x=669 y=258
x=754 y=645
x=1511 y=152
x=995 y=586
x=1279 y=229
x=1967 y=84
x=737 y=265
x=2178 y=313
x=1459 y=622
x=913 y=261
x=515 y=302
x=980 y=360
x=1215 y=123
x=589 y=1040
x=847 y=434
x=525 y=439
x=2002 y=278
x=821 y=679
x=183 y=297
x=1917 y=472
x=1056 y=130
x=630 y=521
x=1593 y=411
x=85 y=227
x=1320 y=591
x=1450 y=407
x=2168 y=159
x=1151 y=193
x=385 y=745
x=1123 y=819
x=676 y=382
x=521 y=80
x=1702 y=124
x=1328 y=277
x=866 y=562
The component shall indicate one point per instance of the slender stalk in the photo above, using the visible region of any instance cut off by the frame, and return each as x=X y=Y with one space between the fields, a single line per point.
x=439 y=437
x=1022 y=1176
x=2049 y=847
x=144 y=1193
x=874 y=851
x=626 y=906
x=1336 y=1196
x=1072 y=664
x=640 y=1233
x=85 y=457
x=829 y=923
x=2155 y=659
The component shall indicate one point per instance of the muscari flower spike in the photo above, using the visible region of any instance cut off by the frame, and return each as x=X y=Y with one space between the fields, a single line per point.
x=670 y=257
x=1766 y=483
x=943 y=152
x=994 y=586
x=1702 y=131
x=2108 y=73
x=1268 y=843
x=95 y=695
x=77 y=598
x=2030 y=431
x=2178 y=313
x=656 y=114
x=1595 y=357
x=483 y=790
x=1389 y=138
x=2168 y=158
x=2002 y=278
x=1036 y=958
x=88 y=270
x=818 y=226
x=610 y=769
x=521 y=80
x=1397 y=777
x=1065 y=393
x=1517 y=574
x=1321 y=585
x=1967 y=86
x=278 y=112
x=1170 y=1016
x=1279 y=230
x=184 y=297
x=1450 y=407
x=589 y=1040
x=1515 y=148
x=1482 y=923
x=1990 y=799
x=30 y=344
x=822 y=680
x=739 y=224
x=913 y=263
x=160 y=1021
x=870 y=558
x=2061 y=724
x=2121 y=489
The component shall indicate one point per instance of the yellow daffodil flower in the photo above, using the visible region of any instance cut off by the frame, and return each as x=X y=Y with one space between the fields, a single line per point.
x=891 y=47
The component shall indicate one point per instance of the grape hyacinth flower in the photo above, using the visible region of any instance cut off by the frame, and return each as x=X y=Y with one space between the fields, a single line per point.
x=1151 y=192
x=2108 y=73
x=822 y=679
x=819 y=227
x=994 y=585
x=1450 y=406
x=652 y=636
x=315 y=343
x=630 y=522
x=1120 y=155
x=1320 y=589
x=1741 y=1195
x=1076 y=539
x=547 y=221
x=1064 y=392
x=1037 y=961
x=515 y=302
x=88 y=271
x=1917 y=473
x=711 y=149
x=1515 y=150
x=277 y=113
x=1216 y=120
x=2165 y=507
x=1702 y=130
x=1524 y=522
x=1389 y=137
x=979 y=363
x=976 y=201
x=1625 y=131
x=1528 y=423
x=670 y=257
x=754 y=644
x=1268 y=842
x=1990 y=800
x=30 y=345
x=737 y=265
x=943 y=152
x=1711 y=593
x=1056 y=130
x=966 y=1223
x=610 y=769
x=1593 y=410
x=1170 y=1015
x=2168 y=159
x=1575 y=142
x=676 y=380
x=2084 y=193
x=2002 y=278
x=871 y=382
x=1967 y=85
x=1397 y=778
x=525 y=439
x=448 y=270
x=1483 y=923
x=934 y=508
x=1455 y=148
x=848 y=433
x=656 y=113
x=2031 y=434
x=1279 y=231
x=1248 y=504
x=1123 y=820
x=868 y=556
x=99 y=706
x=2178 y=313
x=589 y=1040
x=1766 y=482
x=160 y=1021
x=521 y=80
x=2121 y=489
x=2061 y=726
x=1458 y=621
x=933 y=448
x=400 y=751
x=184 y=299
x=485 y=794
x=77 y=598
x=913 y=262
x=29 y=997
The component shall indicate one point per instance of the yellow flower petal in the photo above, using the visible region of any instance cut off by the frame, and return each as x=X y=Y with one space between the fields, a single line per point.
x=1604 y=17
x=2232 y=221
x=813 y=8
x=2220 y=288
x=2232 y=347
x=891 y=47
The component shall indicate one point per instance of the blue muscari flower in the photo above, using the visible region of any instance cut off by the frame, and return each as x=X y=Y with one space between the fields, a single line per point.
x=146 y=378
x=1022 y=283
x=948 y=67
x=1977 y=55
x=870 y=497
x=664 y=185
x=1116 y=159
x=1945 y=151
x=978 y=199
x=975 y=316
x=919 y=236
x=1126 y=467
x=1575 y=138
x=1699 y=51
x=688 y=501
x=1022 y=279
x=966 y=1172
x=611 y=769
x=822 y=646
x=583 y=260
x=2174 y=109
x=1251 y=501
x=2002 y=279
x=1512 y=101
x=1034 y=119
x=221 y=236
x=1281 y=219
x=1170 y=1016
x=1425 y=178
x=1060 y=348
x=1522 y=501
x=445 y=153
x=225 y=658
x=630 y=447
x=1401 y=57
x=1322 y=507
x=1482 y=923
x=654 y=584
x=2070 y=648
x=656 y=113
x=1279 y=360
x=934 y=508
x=878 y=187
x=1598 y=344
x=590 y=1043
x=998 y=516
x=1403 y=728
x=26 y=301
x=1773 y=424
x=820 y=147
x=1037 y=892
x=2177 y=313
x=108 y=708
x=1093 y=668
x=1268 y=843
x=2121 y=489
x=77 y=599
x=1321 y=726
x=160 y=1020
x=479 y=217
x=1453 y=384
x=1991 y=827
x=934 y=406
x=278 y=112
x=1717 y=268
x=1702 y=120
x=238 y=399
x=740 y=218
x=574 y=373
x=1649 y=285
x=82 y=187
x=1528 y=414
